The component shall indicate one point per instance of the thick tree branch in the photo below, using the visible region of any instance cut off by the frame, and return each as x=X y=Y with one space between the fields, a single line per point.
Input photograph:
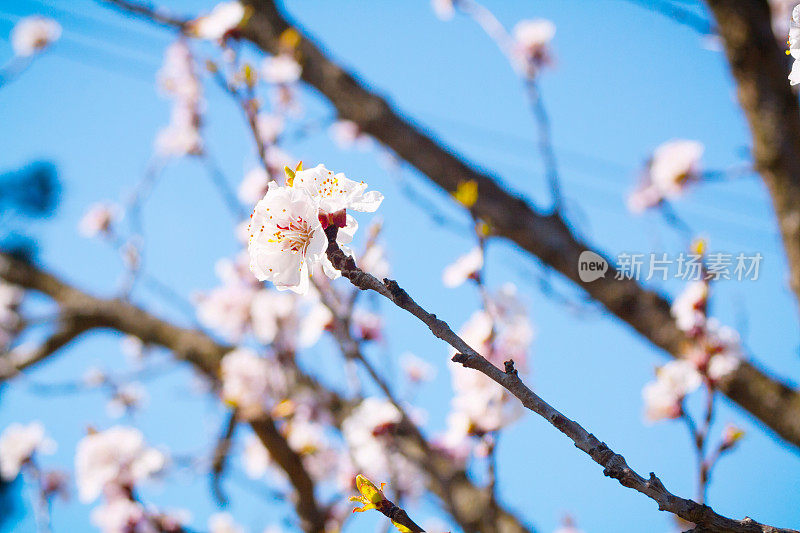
x=193 y=346
x=760 y=69
x=545 y=235
x=614 y=465
x=467 y=503
x=71 y=325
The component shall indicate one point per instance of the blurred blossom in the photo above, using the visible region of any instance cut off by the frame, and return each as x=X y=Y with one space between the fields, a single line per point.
x=132 y=347
x=223 y=523
x=10 y=320
x=347 y=134
x=256 y=458
x=367 y=325
x=94 y=377
x=375 y=262
x=368 y=431
x=226 y=308
x=532 y=44
x=416 y=369
x=121 y=515
x=269 y=127
x=254 y=186
x=126 y=398
x=98 y=219
x=178 y=79
x=674 y=380
x=673 y=166
x=465 y=267
x=251 y=382
x=444 y=9
x=689 y=309
x=115 y=458
x=223 y=19
x=33 y=34
x=281 y=69
x=18 y=444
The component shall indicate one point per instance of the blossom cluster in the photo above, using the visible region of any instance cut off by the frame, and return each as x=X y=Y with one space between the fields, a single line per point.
x=287 y=231
x=794 y=45
x=714 y=352
x=178 y=80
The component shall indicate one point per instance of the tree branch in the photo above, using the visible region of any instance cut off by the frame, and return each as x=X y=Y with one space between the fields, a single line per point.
x=760 y=69
x=614 y=465
x=71 y=325
x=190 y=345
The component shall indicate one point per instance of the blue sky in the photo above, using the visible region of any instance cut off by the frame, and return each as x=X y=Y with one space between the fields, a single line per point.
x=625 y=80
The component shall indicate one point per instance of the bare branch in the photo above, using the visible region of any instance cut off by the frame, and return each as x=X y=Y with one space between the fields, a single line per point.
x=614 y=465
x=71 y=325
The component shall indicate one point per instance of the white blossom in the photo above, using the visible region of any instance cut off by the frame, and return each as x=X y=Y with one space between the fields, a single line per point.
x=116 y=457
x=223 y=523
x=33 y=34
x=674 y=381
x=532 y=40
x=226 y=308
x=98 y=219
x=18 y=443
x=416 y=369
x=225 y=17
x=286 y=238
x=178 y=79
x=249 y=381
x=281 y=69
x=463 y=268
x=10 y=320
x=347 y=134
x=256 y=459
x=254 y=186
x=121 y=515
x=444 y=9
x=689 y=308
x=269 y=127
x=336 y=192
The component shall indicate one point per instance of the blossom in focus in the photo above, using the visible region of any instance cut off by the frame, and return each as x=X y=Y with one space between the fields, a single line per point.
x=18 y=443
x=98 y=220
x=674 y=380
x=532 y=44
x=33 y=34
x=286 y=238
x=223 y=523
x=249 y=381
x=465 y=267
x=336 y=192
x=116 y=457
x=672 y=167
x=281 y=69
x=223 y=19
x=444 y=9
